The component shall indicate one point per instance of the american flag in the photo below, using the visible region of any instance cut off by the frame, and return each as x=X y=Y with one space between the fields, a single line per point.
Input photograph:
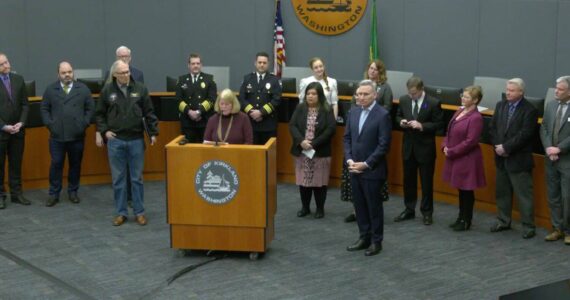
x=279 y=57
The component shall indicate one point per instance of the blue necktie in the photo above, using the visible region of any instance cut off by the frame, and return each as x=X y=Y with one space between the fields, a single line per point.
x=363 y=116
x=6 y=81
x=511 y=113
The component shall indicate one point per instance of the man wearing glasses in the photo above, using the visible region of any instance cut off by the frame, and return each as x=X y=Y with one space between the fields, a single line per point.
x=124 y=113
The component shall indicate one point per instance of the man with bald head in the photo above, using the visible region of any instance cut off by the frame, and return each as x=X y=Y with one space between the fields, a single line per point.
x=124 y=113
x=66 y=111
x=13 y=116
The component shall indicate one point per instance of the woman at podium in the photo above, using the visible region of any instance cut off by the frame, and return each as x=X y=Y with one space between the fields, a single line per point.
x=229 y=125
x=312 y=127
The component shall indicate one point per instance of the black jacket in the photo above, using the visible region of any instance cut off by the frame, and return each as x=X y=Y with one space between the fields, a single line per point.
x=517 y=138
x=15 y=110
x=200 y=95
x=67 y=116
x=324 y=131
x=122 y=114
x=264 y=96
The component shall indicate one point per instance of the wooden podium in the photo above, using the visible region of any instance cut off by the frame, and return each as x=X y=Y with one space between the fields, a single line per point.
x=221 y=197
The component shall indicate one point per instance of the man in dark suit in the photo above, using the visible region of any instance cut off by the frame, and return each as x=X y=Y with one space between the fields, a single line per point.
x=196 y=93
x=13 y=114
x=366 y=142
x=259 y=97
x=555 y=136
x=512 y=131
x=421 y=118
x=66 y=110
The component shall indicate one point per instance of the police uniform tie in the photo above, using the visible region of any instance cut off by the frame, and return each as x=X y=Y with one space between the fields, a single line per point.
x=260 y=78
x=416 y=109
x=557 y=123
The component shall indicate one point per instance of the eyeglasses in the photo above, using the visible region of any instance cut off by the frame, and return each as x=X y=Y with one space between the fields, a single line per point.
x=123 y=73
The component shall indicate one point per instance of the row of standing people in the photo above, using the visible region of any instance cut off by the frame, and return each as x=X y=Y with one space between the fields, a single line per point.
x=512 y=130
x=419 y=115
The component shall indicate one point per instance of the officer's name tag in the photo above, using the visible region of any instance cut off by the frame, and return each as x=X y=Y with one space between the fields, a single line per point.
x=134 y=94
x=184 y=86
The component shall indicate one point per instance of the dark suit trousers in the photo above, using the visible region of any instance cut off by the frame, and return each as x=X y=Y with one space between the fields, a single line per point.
x=14 y=148
x=411 y=167
x=261 y=137
x=58 y=151
x=194 y=135
x=368 y=208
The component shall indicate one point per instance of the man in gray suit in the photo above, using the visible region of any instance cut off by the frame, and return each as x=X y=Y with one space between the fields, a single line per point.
x=66 y=110
x=555 y=136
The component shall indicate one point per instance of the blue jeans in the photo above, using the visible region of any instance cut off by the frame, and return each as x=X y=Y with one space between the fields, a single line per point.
x=58 y=151
x=123 y=155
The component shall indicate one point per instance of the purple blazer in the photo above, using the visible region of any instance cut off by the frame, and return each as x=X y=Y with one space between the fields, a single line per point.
x=463 y=167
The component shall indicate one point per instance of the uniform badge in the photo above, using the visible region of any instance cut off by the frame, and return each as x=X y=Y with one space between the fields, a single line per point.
x=268 y=85
x=113 y=97
x=135 y=95
x=184 y=86
x=203 y=85
x=249 y=86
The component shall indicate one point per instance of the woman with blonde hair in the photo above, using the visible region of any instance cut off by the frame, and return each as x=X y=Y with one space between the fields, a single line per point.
x=229 y=125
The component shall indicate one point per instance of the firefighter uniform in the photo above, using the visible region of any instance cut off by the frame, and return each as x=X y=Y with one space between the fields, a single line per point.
x=198 y=95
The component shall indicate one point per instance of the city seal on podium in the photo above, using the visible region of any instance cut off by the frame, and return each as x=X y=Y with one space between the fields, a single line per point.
x=216 y=181
x=329 y=17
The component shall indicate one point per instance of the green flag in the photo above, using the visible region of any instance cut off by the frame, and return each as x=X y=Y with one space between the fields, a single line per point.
x=373 y=34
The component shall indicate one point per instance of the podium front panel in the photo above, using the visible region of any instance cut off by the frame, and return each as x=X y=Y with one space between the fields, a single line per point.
x=248 y=208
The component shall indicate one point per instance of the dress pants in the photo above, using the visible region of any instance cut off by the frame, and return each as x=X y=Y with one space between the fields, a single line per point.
x=411 y=167
x=261 y=137
x=558 y=186
x=521 y=184
x=58 y=151
x=368 y=208
x=194 y=134
x=125 y=154
x=13 y=147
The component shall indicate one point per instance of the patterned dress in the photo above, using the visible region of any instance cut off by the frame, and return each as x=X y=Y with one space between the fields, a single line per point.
x=312 y=172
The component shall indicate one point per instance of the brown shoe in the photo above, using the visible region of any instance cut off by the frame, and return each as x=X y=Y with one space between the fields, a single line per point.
x=567 y=240
x=555 y=235
x=119 y=220
x=141 y=220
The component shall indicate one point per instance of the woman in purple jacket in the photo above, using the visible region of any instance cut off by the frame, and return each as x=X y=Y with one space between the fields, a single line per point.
x=463 y=167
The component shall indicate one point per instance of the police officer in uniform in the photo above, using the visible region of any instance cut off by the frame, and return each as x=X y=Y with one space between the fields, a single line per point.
x=196 y=92
x=259 y=96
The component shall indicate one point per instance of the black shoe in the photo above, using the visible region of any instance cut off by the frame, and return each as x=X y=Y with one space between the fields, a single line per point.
x=20 y=199
x=405 y=215
x=359 y=245
x=499 y=227
x=462 y=226
x=52 y=200
x=374 y=249
x=73 y=198
x=428 y=220
x=303 y=212
x=3 y=202
x=529 y=234
x=319 y=214
x=455 y=223
x=350 y=218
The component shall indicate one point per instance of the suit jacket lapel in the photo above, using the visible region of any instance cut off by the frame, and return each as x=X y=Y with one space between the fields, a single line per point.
x=564 y=117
